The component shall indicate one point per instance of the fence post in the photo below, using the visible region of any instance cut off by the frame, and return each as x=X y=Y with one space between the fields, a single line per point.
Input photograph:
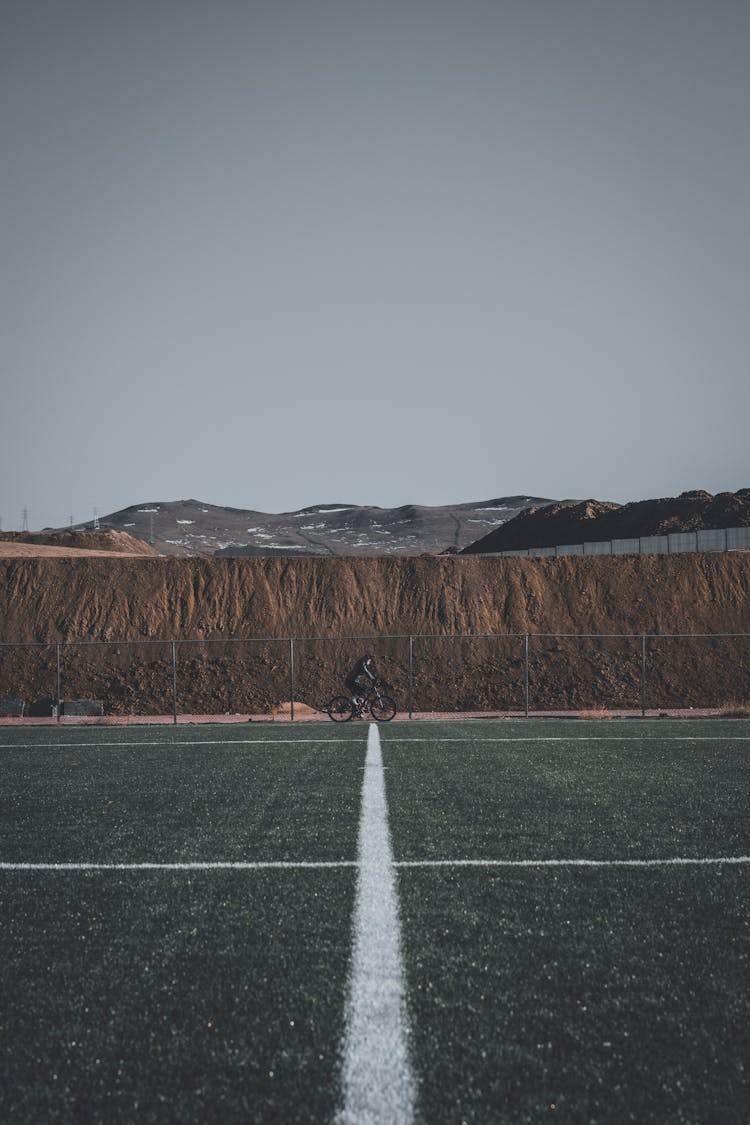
x=57 y=684
x=643 y=675
x=526 y=673
x=291 y=679
x=174 y=684
x=411 y=677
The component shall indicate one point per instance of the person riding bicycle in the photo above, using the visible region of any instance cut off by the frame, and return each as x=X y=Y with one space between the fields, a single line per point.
x=359 y=679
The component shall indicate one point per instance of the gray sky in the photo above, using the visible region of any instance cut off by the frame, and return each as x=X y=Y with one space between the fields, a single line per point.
x=271 y=254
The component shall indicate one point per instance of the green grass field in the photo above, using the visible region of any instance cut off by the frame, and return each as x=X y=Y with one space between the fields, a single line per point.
x=550 y=991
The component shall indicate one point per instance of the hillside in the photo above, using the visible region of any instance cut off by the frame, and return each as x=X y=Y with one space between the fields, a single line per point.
x=89 y=599
x=185 y=528
x=593 y=520
x=52 y=544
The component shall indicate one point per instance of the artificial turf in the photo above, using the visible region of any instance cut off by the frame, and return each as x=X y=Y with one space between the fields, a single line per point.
x=578 y=995
x=186 y=996
x=575 y=994
x=166 y=797
x=578 y=790
x=581 y=994
x=173 y=997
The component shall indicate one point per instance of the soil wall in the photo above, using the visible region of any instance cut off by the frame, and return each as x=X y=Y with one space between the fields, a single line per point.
x=194 y=601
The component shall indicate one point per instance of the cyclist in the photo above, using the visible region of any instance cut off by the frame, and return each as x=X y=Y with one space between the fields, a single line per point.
x=359 y=679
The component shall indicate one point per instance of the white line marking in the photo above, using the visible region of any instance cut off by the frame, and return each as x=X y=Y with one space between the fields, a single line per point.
x=404 y=741
x=293 y=865
x=260 y=865
x=677 y=862
x=377 y=1081
x=168 y=745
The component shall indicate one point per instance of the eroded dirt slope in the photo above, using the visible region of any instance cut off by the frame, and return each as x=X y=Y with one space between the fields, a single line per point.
x=120 y=599
x=198 y=600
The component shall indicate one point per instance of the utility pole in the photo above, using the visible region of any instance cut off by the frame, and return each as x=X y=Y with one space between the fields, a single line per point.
x=25 y=525
x=96 y=519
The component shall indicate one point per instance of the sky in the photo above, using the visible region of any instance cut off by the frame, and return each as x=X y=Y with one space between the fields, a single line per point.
x=274 y=254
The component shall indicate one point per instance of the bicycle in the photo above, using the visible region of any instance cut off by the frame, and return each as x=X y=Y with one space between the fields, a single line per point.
x=374 y=702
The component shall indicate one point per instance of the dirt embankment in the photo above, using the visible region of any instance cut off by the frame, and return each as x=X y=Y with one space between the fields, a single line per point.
x=595 y=521
x=63 y=544
x=44 y=601
x=85 y=599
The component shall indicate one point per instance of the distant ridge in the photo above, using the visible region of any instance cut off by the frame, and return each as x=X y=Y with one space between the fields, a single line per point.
x=47 y=544
x=192 y=527
x=591 y=521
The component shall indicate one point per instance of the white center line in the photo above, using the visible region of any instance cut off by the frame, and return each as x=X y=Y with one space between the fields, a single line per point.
x=377 y=1081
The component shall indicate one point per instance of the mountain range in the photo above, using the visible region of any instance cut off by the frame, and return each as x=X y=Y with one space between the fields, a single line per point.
x=195 y=528
x=190 y=528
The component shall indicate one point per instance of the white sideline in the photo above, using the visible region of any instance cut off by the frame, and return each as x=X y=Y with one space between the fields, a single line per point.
x=293 y=865
x=208 y=865
x=377 y=1082
x=402 y=740
x=676 y=862
x=170 y=743
x=406 y=739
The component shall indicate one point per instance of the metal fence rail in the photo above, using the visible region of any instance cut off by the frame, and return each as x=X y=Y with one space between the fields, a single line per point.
x=518 y=673
x=677 y=542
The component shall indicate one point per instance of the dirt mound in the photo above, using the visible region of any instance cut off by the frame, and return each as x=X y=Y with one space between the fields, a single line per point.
x=47 y=544
x=87 y=599
x=261 y=602
x=593 y=521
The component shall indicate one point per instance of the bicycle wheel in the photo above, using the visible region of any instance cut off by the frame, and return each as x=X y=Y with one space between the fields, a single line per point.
x=340 y=709
x=382 y=708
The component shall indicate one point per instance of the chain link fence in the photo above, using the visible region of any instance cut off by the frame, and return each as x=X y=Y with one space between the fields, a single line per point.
x=293 y=677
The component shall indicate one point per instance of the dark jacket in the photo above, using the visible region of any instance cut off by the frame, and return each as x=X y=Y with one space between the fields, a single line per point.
x=360 y=673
